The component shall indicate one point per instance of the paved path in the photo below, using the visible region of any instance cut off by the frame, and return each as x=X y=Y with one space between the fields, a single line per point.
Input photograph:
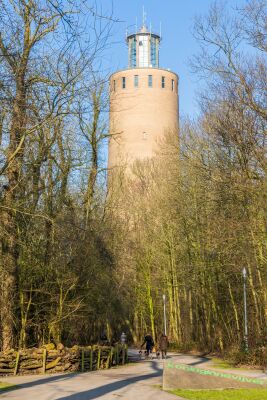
x=139 y=381
x=133 y=382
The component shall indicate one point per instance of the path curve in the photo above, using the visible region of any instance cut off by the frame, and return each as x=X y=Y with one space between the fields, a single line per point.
x=134 y=381
x=139 y=381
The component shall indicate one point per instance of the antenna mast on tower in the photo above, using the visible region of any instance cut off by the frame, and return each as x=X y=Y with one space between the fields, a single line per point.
x=144 y=16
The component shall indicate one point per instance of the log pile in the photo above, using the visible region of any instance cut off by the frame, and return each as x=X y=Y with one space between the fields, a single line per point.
x=49 y=359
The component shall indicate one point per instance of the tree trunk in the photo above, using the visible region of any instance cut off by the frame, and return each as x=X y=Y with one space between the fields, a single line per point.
x=10 y=244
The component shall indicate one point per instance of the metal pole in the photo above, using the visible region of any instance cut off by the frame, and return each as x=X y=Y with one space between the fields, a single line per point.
x=245 y=309
x=164 y=311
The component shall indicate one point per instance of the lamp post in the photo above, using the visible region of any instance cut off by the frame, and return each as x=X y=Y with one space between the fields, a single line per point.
x=164 y=311
x=244 y=271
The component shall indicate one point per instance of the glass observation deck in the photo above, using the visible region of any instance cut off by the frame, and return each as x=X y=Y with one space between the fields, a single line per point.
x=143 y=49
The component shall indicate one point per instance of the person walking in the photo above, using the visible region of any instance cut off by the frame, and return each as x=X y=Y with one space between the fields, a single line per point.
x=163 y=345
x=104 y=339
x=149 y=342
x=123 y=338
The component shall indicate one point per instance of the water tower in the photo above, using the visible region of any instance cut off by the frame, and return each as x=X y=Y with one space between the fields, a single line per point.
x=143 y=102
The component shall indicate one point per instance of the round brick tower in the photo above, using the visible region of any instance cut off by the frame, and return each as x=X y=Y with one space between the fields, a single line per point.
x=143 y=103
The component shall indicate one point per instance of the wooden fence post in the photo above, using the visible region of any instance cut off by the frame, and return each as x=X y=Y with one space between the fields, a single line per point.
x=123 y=355
x=44 y=360
x=108 y=359
x=91 y=358
x=82 y=360
x=98 y=358
x=117 y=354
x=126 y=353
x=111 y=356
x=17 y=363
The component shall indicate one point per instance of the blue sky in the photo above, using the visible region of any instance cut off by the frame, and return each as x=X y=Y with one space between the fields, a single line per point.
x=178 y=44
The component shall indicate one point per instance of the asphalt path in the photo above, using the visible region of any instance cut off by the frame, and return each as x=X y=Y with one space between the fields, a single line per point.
x=136 y=381
x=140 y=380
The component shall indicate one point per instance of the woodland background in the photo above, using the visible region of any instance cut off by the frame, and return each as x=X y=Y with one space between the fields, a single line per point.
x=77 y=258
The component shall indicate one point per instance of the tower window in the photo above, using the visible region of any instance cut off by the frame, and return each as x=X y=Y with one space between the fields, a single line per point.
x=150 y=80
x=136 y=80
x=132 y=53
x=123 y=82
x=163 y=82
x=145 y=135
x=173 y=85
x=114 y=85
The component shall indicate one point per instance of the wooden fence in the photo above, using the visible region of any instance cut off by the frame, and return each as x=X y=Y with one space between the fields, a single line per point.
x=47 y=360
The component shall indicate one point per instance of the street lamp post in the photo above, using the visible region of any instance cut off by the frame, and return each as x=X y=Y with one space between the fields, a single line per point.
x=164 y=311
x=245 y=308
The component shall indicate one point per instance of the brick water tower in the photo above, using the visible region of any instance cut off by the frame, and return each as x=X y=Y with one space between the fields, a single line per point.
x=143 y=103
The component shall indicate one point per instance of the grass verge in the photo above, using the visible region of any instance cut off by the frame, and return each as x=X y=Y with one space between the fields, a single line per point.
x=6 y=386
x=222 y=364
x=227 y=394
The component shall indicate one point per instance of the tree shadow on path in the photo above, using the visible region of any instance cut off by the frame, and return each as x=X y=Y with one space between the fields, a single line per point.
x=41 y=381
x=111 y=387
x=199 y=360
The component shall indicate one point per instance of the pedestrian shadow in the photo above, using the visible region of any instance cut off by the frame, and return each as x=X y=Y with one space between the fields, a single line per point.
x=111 y=387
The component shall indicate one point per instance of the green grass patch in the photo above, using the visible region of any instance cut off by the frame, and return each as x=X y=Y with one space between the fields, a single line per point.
x=6 y=386
x=223 y=364
x=226 y=394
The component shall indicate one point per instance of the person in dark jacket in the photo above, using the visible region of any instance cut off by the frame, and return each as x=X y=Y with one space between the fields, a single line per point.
x=149 y=342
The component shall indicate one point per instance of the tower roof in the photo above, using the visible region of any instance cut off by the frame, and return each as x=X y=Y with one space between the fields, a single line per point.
x=143 y=29
x=143 y=46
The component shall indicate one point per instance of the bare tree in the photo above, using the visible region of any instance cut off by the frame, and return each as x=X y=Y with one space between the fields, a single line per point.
x=42 y=57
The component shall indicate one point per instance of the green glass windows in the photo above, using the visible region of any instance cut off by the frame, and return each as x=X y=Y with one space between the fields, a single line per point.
x=132 y=53
x=153 y=52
